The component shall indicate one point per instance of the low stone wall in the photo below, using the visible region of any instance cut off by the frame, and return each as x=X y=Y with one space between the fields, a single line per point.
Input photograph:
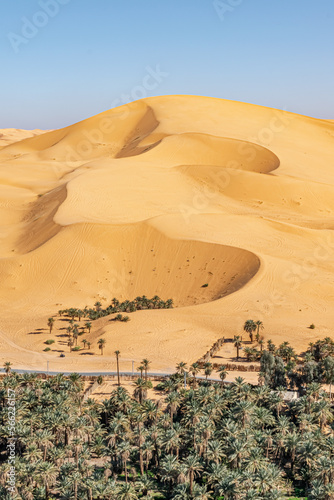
x=233 y=366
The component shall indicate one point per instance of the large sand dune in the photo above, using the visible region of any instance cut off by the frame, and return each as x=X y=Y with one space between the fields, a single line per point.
x=163 y=196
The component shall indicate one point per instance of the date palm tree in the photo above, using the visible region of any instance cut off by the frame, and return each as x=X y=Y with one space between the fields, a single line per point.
x=222 y=372
x=194 y=369
x=181 y=367
x=259 y=325
x=237 y=344
x=208 y=367
x=46 y=474
x=101 y=343
x=117 y=353
x=250 y=327
x=88 y=325
x=141 y=387
x=192 y=466
x=7 y=366
x=329 y=373
x=146 y=363
x=51 y=323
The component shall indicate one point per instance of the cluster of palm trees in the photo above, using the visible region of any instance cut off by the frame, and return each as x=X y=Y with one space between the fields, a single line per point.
x=202 y=441
x=138 y=304
x=73 y=332
x=282 y=367
x=252 y=354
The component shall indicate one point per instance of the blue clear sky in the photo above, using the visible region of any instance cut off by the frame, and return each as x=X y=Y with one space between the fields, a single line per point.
x=84 y=54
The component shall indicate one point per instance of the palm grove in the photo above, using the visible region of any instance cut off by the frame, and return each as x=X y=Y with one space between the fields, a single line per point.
x=208 y=440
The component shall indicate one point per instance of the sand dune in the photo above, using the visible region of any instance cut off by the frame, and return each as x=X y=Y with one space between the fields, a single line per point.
x=12 y=135
x=163 y=196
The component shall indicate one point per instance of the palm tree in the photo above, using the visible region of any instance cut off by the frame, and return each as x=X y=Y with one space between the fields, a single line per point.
x=250 y=327
x=7 y=366
x=124 y=451
x=101 y=344
x=194 y=369
x=89 y=344
x=88 y=325
x=207 y=369
x=259 y=325
x=222 y=372
x=141 y=386
x=46 y=474
x=75 y=335
x=70 y=344
x=192 y=466
x=117 y=353
x=169 y=470
x=181 y=367
x=145 y=364
x=237 y=344
x=329 y=373
x=50 y=323
x=126 y=492
x=84 y=343
x=173 y=400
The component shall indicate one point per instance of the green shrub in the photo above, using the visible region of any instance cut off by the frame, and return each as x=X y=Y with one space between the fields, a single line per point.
x=76 y=348
x=49 y=341
x=205 y=285
x=312 y=326
x=47 y=349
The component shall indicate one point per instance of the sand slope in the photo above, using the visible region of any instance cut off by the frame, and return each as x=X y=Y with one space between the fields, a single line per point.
x=163 y=196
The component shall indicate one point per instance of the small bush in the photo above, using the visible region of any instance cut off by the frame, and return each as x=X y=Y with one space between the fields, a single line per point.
x=49 y=341
x=76 y=348
x=312 y=326
x=47 y=349
x=205 y=285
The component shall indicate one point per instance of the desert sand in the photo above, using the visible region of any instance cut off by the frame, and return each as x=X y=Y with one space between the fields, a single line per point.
x=11 y=135
x=163 y=196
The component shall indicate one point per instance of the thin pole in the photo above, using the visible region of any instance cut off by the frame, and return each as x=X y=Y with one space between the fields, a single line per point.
x=47 y=367
x=133 y=370
x=185 y=380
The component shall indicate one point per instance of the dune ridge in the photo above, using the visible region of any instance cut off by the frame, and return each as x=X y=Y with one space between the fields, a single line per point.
x=225 y=207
